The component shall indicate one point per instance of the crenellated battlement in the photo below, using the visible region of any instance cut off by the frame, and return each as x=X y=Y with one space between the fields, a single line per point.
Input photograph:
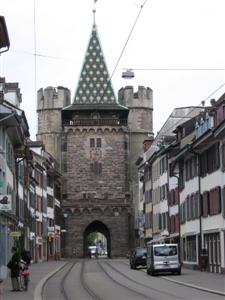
x=143 y=98
x=51 y=97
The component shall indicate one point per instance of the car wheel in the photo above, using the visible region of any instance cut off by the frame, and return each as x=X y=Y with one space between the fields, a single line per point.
x=152 y=273
x=179 y=272
x=148 y=271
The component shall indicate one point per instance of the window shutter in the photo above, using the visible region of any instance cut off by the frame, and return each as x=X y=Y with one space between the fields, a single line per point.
x=185 y=211
x=224 y=201
x=192 y=213
x=176 y=223
x=215 y=201
x=205 y=204
x=196 y=205
x=223 y=156
x=172 y=224
x=218 y=200
x=176 y=196
x=203 y=164
x=217 y=156
x=211 y=202
x=169 y=198
x=188 y=207
x=187 y=170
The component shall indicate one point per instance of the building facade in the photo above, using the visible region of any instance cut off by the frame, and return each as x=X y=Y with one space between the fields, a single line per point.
x=191 y=168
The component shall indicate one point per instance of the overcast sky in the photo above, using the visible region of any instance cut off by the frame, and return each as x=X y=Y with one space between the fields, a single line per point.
x=169 y=34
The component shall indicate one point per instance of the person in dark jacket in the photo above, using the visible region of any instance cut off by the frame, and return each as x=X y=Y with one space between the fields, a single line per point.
x=14 y=266
x=25 y=255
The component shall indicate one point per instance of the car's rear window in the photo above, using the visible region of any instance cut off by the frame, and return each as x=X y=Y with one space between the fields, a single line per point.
x=165 y=250
x=141 y=251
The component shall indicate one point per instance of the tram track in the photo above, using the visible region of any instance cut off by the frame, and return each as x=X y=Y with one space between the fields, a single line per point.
x=85 y=285
x=62 y=283
x=62 y=289
x=67 y=273
x=123 y=285
x=75 y=281
x=142 y=284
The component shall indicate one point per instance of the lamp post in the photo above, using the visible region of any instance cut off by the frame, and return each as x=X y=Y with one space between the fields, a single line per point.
x=63 y=231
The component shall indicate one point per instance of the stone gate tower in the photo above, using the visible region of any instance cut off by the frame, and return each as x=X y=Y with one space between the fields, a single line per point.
x=93 y=139
x=95 y=154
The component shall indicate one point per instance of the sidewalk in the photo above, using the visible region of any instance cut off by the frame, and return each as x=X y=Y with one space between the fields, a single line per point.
x=211 y=282
x=38 y=274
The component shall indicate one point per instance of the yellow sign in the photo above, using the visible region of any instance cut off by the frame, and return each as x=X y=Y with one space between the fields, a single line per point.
x=15 y=233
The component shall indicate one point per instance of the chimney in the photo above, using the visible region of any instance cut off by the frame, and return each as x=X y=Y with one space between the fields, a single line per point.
x=147 y=144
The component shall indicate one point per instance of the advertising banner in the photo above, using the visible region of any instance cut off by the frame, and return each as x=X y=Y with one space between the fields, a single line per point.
x=5 y=202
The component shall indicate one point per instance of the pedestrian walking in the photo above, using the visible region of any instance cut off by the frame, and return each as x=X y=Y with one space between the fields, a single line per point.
x=14 y=266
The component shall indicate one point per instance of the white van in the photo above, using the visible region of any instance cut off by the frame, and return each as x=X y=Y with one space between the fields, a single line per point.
x=163 y=258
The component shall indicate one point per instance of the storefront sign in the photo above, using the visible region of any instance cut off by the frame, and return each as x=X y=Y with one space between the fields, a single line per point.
x=51 y=228
x=5 y=202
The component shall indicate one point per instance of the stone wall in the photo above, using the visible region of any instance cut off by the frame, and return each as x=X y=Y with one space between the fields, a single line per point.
x=97 y=197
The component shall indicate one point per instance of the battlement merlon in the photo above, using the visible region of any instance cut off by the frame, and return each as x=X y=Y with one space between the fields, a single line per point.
x=142 y=98
x=51 y=97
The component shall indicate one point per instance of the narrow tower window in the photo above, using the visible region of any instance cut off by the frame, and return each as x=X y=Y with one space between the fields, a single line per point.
x=92 y=143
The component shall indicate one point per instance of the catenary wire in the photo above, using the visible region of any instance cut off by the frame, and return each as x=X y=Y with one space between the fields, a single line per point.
x=189 y=114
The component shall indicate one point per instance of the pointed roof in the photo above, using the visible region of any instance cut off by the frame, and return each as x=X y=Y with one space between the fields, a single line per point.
x=94 y=89
x=94 y=86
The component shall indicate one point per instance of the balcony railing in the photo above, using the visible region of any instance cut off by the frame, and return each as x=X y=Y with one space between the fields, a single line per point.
x=95 y=122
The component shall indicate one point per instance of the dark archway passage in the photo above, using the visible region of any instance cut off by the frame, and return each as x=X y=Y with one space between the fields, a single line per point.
x=97 y=227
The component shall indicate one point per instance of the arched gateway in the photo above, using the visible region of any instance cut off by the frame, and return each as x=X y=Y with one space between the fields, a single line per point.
x=95 y=154
x=99 y=227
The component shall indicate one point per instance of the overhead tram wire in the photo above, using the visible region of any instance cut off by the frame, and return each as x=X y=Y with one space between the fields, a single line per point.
x=124 y=47
x=129 y=35
x=35 y=53
x=175 y=69
x=43 y=55
x=189 y=114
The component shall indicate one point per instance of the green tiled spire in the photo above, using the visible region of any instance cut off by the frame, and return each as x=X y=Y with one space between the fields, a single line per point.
x=94 y=86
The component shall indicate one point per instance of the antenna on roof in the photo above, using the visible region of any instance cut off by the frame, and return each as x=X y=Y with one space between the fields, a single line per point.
x=94 y=12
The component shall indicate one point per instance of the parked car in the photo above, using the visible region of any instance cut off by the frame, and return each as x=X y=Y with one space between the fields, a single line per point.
x=163 y=258
x=138 y=257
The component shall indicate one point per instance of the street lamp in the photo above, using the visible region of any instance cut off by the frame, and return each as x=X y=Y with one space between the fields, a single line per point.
x=4 y=38
x=128 y=74
x=63 y=231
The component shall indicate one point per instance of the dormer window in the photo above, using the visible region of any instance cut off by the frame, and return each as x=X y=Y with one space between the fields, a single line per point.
x=196 y=125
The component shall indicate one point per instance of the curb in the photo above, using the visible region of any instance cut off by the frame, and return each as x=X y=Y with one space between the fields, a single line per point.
x=39 y=287
x=195 y=286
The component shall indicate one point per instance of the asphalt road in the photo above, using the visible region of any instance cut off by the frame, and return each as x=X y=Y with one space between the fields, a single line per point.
x=113 y=279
